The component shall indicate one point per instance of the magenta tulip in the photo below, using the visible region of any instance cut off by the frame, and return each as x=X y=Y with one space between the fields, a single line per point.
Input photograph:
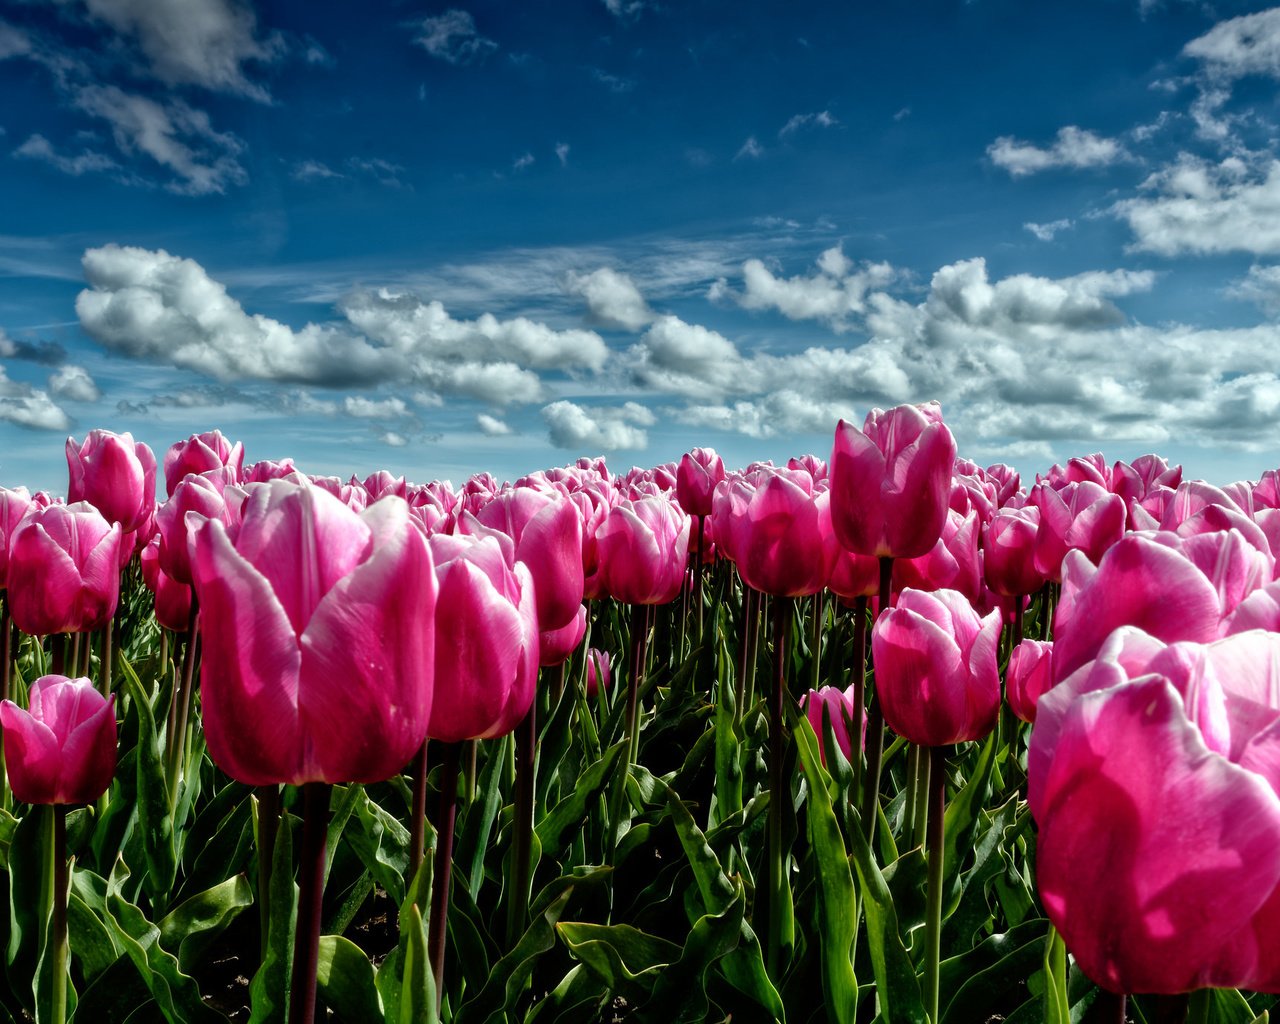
x=318 y=638
x=1008 y=549
x=62 y=749
x=172 y=599
x=839 y=708
x=599 y=671
x=891 y=481
x=937 y=676
x=203 y=498
x=268 y=469
x=555 y=646
x=115 y=475
x=1030 y=674
x=641 y=547
x=1081 y=516
x=13 y=506
x=952 y=564
x=696 y=479
x=771 y=525
x=203 y=453
x=486 y=663
x=64 y=570
x=1152 y=780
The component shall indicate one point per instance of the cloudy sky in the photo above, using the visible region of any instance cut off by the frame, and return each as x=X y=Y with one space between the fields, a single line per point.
x=439 y=239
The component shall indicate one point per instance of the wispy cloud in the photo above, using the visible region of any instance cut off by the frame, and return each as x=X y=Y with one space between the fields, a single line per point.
x=1074 y=148
x=453 y=38
x=799 y=122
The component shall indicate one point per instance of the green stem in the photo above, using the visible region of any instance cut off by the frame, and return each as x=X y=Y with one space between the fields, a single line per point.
x=815 y=642
x=936 y=853
x=924 y=775
x=859 y=682
x=777 y=784
x=58 y=923
x=306 y=942
x=639 y=629
x=697 y=575
x=1200 y=1004
x=268 y=825
x=182 y=710
x=108 y=655
x=418 y=813
x=526 y=769
x=6 y=666
x=875 y=725
x=443 y=873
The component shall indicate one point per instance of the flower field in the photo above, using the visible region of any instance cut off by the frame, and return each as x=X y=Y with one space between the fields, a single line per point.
x=878 y=735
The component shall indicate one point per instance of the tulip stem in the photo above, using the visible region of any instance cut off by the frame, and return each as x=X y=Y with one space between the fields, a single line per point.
x=58 y=655
x=639 y=628
x=526 y=768
x=935 y=765
x=178 y=744
x=58 y=922
x=418 y=813
x=306 y=942
x=1112 y=1008
x=108 y=655
x=875 y=724
x=268 y=824
x=1199 y=1005
x=697 y=574
x=778 y=790
x=75 y=654
x=815 y=644
x=6 y=667
x=443 y=865
x=749 y=616
x=859 y=681
x=924 y=806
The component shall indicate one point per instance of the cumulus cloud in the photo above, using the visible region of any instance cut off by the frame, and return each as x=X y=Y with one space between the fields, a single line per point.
x=799 y=122
x=782 y=412
x=580 y=428
x=74 y=384
x=1075 y=148
x=393 y=439
x=50 y=353
x=1260 y=286
x=178 y=137
x=30 y=407
x=13 y=41
x=1047 y=232
x=204 y=43
x=689 y=359
x=88 y=161
x=612 y=298
x=491 y=426
x=453 y=37
x=1247 y=45
x=833 y=292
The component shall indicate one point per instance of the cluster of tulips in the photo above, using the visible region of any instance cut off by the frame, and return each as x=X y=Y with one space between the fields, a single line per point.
x=339 y=628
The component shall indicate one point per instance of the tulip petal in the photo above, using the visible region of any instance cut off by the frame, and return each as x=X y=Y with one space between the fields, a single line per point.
x=33 y=756
x=551 y=546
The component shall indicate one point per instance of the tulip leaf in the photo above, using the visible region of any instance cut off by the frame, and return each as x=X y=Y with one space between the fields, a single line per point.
x=569 y=813
x=8 y=826
x=175 y=993
x=345 y=980
x=27 y=870
x=191 y=927
x=680 y=993
x=477 y=824
x=269 y=990
x=91 y=941
x=728 y=739
x=154 y=813
x=624 y=958
x=382 y=844
x=975 y=984
x=962 y=815
x=1057 y=1008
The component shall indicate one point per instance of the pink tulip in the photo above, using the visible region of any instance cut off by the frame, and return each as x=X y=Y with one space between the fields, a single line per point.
x=1135 y=481
x=952 y=564
x=201 y=497
x=772 y=527
x=839 y=708
x=1008 y=547
x=318 y=638
x=64 y=570
x=62 y=750
x=547 y=530
x=811 y=464
x=555 y=646
x=487 y=661
x=641 y=547
x=115 y=475
x=891 y=481
x=696 y=479
x=13 y=506
x=381 y=483
x=937 y=676
x=1080 y=516
x=1152 y=779
x=599 y=671
x=1006 y=481
x=203 y=453
x=1030 y=674
x=268 y=469
x=172 y=599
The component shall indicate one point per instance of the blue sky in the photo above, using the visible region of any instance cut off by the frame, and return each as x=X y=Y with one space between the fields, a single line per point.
x=440 y=239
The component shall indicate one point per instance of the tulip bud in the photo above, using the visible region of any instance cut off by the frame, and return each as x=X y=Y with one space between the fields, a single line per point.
x=13 y=506
x=599 y=671
x=838 y=706
x=203 y=453
x=115 y=475
x=64 y=570
x=1030 y=674
x=642 y=549
x=696 y=479
x=62 y=749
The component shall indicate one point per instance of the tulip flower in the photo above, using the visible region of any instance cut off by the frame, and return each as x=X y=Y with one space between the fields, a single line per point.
x=13 y=506
x=62 y=749
x=172 y=599
x=599 y=671
x=952 y=564
x=64 y=574
x=771 y=526
x=555 y=646
x=319 y=647
x=696 y=479
x=936 y=669
x=1152 y=782
x=203 y=453
x=641 y=548
x=204 y=498
x=838 y=706
x=1008 y=547
x=891 y=481
x=1030 y=675
x=268 y=469
x=115 y=475
x=1081 y=516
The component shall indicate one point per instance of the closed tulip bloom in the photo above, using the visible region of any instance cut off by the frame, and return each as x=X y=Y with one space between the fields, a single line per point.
x=204 y=453
x=115 y=475
x=1008 y=547
x=777 y=535
x=172 y=599
x=318 y=638
x=62 y=749
x=1030 y=674
x=1152 y=780
x=268 y=469
x=838 y=706
x=599 y=671
x=487 y=661
x=381 y=483
x=891 y=481
x=937 y=676
x=1081 y=516
x=555 y=646
x=952 y=564
x=696 y=478
x=642 y=548
x=1006 y=480
x=204 y=498
x=13 y=506
x=64 y=570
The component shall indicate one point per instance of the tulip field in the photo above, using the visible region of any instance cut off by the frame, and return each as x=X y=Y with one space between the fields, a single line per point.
x=875 y=735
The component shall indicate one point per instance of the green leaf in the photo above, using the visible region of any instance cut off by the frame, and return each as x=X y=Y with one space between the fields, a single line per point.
x=27 y=870
x=154 y=813
x=570 y=813
x=1057 y=1009
x=269 y=990
x=477 y=824
x=346 y=982
x=961 y=816
x=680 y=994
x=624 y=958
x=8 y=827
x=404 y=980
x=191 y=927
x=381 y=843
x=975 y=984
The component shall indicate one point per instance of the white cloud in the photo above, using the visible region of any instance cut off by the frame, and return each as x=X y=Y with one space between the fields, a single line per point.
x=1247 y=45
x=615 y=83
x=13 y=41
x=88 y=161
x=31 y=407
x=452 y=37
x=798 y=122
x=562 y=153
x=384 y=172
x=74 y=384
x=612 y=298
x=1195 y=206
x=751 y=150
x=834 y=291
x=178 y=137
x=359 y=407
x=491 y=426
x=580 y=429
x=624 y=9
x=392 y=439
x=1260 y=286
x=689 y=359
x=313 y=170
x=194 y=42
x=522 y=161
x=1074 y=147
x=1046 y=232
